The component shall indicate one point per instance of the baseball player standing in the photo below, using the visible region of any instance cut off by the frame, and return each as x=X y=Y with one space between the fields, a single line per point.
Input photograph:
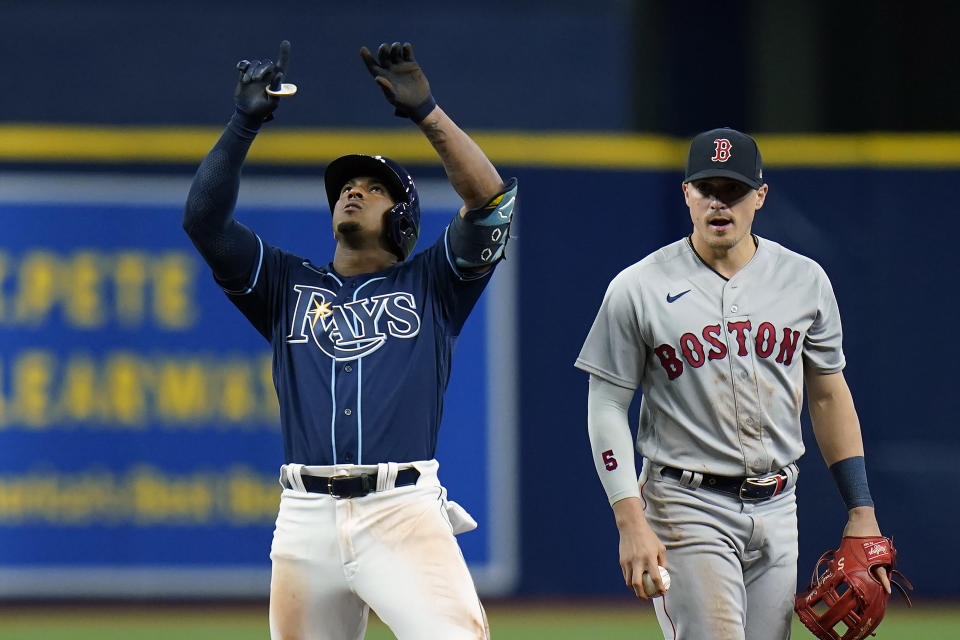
x=720 y=330
x=361 y=358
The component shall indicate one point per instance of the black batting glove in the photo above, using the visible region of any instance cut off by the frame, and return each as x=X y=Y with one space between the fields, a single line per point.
x=402 y=80
x=254 y=78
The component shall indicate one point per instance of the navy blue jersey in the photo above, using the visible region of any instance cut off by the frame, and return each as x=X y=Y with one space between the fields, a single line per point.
x=360 y=363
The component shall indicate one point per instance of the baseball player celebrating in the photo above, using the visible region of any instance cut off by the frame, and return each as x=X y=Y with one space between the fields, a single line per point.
x=721 y=330
x=361 y=358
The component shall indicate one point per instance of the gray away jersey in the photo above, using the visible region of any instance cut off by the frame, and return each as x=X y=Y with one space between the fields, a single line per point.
x=720 y=362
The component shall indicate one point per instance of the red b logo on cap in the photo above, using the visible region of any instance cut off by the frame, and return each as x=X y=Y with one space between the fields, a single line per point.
x=722 y=151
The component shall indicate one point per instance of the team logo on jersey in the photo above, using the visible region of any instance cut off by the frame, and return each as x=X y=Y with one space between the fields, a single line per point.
x=722 y=149
x=355 y=329
x=695 y=350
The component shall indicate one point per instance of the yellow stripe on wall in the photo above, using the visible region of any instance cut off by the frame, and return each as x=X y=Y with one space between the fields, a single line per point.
x=284 y=146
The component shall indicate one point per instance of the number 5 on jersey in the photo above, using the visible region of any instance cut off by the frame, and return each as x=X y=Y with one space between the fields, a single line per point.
x=609 y=461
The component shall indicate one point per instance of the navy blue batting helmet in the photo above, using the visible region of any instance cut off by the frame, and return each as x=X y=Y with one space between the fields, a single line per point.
x=403 y=219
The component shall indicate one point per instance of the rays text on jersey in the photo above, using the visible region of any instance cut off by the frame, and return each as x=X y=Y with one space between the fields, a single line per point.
x=353 y=329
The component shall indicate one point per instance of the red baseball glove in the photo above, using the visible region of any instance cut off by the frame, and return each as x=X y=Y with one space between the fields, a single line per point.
x=847 y=591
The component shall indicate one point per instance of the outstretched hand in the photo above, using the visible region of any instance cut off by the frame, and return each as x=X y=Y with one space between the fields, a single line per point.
x=254 y=77
x=401 y=79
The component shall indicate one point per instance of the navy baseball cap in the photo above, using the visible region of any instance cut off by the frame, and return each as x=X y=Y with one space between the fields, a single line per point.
x=725 y=153
x=395 y=178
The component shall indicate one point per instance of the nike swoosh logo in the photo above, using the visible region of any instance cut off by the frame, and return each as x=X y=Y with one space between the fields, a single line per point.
x=671 y=298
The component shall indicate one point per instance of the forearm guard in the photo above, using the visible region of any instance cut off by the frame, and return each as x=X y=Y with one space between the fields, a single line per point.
x=478 y=238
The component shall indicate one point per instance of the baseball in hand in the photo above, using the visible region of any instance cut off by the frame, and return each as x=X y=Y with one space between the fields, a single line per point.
x=650 y=588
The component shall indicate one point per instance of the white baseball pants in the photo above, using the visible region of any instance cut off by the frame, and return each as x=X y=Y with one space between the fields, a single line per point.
x=392 y=550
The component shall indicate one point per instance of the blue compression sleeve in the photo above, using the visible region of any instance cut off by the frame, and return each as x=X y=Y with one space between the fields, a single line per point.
x=228 y=247
x=850 y=475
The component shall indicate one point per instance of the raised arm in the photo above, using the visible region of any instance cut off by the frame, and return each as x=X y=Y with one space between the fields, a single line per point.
x=478 y=238
x=472 y=175
x=405 y=86
x=228 y=247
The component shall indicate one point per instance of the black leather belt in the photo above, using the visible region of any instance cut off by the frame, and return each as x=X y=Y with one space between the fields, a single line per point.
x=747 y=488
x=354 y=486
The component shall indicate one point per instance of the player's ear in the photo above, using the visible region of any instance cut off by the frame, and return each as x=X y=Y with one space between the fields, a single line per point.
x=761 y=196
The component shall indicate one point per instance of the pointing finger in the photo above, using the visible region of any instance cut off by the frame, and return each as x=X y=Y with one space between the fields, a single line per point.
x=283 y=57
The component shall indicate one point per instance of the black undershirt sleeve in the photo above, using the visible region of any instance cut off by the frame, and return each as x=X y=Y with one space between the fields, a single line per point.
x=231 y=249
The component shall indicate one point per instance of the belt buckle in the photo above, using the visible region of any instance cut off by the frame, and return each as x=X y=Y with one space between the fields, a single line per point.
x=344 y=483
x=351 y=486
x=330 y=489
x=755 y=489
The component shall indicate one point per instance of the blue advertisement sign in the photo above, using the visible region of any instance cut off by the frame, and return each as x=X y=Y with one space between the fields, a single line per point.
x=139 y=430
